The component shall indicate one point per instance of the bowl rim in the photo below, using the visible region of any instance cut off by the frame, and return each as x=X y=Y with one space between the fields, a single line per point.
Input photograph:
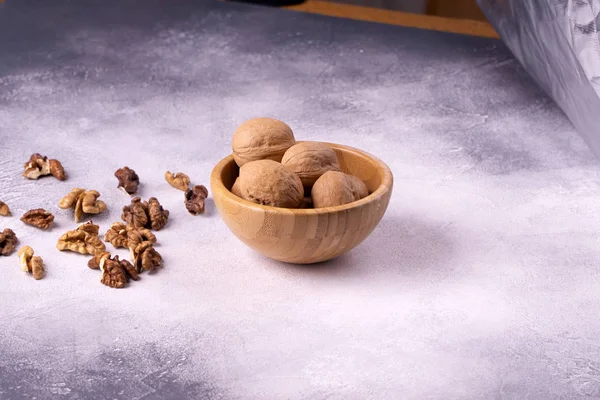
x=384 y=187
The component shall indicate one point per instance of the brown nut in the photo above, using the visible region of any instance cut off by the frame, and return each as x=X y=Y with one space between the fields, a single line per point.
x=194 y=199
x=113 y=274
x=30 y=263
x=179 y=180
x=39 y=218
x=157 y=214
x=120 y=235
x=307 y=202
x=310 y=160
x=83 y=201
x=8 y=242
x=4 y=210
x=128 y=180
x=84 y=240
x=97 y=262
x=269 y=183
x=335 y=188
x=235 y=189
x=39 y=165
x=261 y=139
x=145 y=257
x=141 y=214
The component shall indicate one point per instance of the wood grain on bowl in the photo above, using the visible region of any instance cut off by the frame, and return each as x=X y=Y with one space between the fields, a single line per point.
x=305 y=236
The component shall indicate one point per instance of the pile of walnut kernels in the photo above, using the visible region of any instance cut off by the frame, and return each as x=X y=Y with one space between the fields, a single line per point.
x=140 y=219
x=277 y=171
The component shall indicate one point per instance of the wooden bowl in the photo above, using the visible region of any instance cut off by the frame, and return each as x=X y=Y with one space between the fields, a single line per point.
x=305 y=236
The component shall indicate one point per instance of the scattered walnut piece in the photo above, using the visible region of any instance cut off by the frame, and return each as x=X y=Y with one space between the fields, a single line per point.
x=115 y=272
x=4 y=210
x=30 y=263
x=145 y=257
x=179 y=180
x=128 y=180
x=141 y=214
x=194 y=199
x=119 y=235
x=39 y=165
x=83 y=240
x=8 y=242
x=83 y=201
x=98 y=260
x=39 y=218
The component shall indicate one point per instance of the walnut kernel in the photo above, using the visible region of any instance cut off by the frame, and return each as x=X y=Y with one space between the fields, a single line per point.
x=261 y=139
x=128 y=180
x=4 y=210
x=8 y=242
x=120 y=235
x=39 y=165
x=269 y=183
x=141 y=214
x=83 y=201
x=84 y=240
x=194 y=199
x=179 y=180
x=39 y=218
x=30 y=263
x=145 y=257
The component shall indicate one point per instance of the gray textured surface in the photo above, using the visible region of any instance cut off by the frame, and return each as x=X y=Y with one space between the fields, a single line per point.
x=481 y=281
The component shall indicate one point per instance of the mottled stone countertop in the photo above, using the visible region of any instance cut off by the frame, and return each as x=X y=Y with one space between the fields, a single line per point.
x=481 y=281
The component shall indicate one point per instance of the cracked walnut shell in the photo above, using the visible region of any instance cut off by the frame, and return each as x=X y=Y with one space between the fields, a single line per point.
x=39 y=165
x=84 y=240
x=128 y=180
x=30 y=263
x=269 y=183
x=4 y=210
x=261 y=139
x=39 y=218
x=8 y=242
x=310 y=160
x=141 y=214
x=194 y=199
x=83 y=201
x=179 y=180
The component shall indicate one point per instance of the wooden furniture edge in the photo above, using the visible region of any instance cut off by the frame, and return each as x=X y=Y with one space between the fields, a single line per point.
x=361 y=13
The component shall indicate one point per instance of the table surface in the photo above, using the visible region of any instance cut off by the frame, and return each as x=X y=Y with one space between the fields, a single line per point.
x=481 y=281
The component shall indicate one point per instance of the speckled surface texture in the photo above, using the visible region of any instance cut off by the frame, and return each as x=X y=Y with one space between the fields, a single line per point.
x=481 y=281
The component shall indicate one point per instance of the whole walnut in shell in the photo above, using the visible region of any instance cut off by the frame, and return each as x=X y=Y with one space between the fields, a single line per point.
x=335 y=188
x=269 y=183
x=310 y=160
x=261 y=139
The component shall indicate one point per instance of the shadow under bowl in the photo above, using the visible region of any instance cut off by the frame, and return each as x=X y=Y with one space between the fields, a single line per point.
x=306 y=236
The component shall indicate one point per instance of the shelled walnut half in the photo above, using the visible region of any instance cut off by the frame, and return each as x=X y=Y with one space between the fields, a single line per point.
x=83 y=201
x=141 y=214
x=30 y=263
x=194 y=199
x=179 y=180
x=84 y=240
x=128 y=180
x=116 y=273
x=4 y=210
x=145 y=257
x=120 y=235
x=39 y=165
x=8 y=242
x=39 y=218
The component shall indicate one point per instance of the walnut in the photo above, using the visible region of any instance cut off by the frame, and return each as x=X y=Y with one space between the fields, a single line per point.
x=270 y=183
x=118 y=235
x=307 y=202
x=128 y=180
x=335 y=188
x=30 y=263
x=261 y=139
x=115 y=272
x=4 y=210
x=84 y=240
x=179 y=180
x=83 y=201
x=194 y=199
x=141 y=214
x=97 y=262
x=39 y=165
x=157 y=215
x=145 y=257
x=8 y=242
x=39 y=218
x=310 y=160
x=235 y=189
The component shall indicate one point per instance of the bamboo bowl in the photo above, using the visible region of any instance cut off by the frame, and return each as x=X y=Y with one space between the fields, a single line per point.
x=305 y=236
